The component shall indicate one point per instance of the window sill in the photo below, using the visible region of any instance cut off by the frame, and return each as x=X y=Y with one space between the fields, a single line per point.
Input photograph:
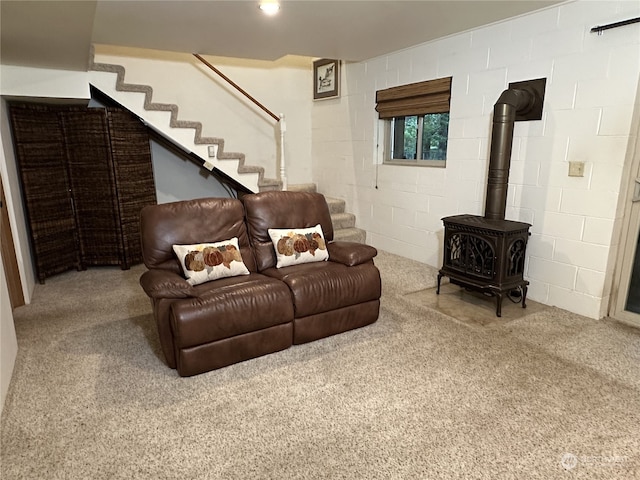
x=417 y=163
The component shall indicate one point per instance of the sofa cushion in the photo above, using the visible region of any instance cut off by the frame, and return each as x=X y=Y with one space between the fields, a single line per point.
x=209 y=261
x=324 y=286
x=203 y=220
x=298 y=245
x=351 y=253
x=287 y=209
x=237 y=305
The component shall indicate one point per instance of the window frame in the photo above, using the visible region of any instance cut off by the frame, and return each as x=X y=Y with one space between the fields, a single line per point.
x=387 y=158
x=413 y=100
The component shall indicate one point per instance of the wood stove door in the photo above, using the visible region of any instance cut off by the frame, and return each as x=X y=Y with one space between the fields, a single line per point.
x=470 y=254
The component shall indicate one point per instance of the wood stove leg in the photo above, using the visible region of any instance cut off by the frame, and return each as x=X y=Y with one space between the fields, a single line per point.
x=499 y=304
x=438 y=289
x=524 y=296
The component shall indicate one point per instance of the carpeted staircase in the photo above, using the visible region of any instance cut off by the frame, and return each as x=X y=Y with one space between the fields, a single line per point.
x=344 y=223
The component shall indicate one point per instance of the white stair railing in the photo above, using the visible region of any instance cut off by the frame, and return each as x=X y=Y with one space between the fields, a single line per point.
x=283 y=170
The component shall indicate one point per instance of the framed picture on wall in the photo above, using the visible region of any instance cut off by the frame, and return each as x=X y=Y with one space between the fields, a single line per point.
x=326 y=79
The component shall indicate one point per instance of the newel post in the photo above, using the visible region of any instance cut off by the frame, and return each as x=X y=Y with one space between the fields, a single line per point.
x=283 y=169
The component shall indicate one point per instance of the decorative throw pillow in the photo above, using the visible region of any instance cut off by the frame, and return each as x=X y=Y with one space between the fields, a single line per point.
x=298 y=245
x=208 y=261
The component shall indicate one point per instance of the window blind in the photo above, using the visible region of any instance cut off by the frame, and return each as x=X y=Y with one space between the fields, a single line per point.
x=419 y=98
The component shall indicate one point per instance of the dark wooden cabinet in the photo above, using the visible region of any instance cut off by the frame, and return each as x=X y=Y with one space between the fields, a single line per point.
x=85 y=174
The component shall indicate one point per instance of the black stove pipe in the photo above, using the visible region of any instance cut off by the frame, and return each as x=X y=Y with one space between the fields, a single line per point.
x=511 y=102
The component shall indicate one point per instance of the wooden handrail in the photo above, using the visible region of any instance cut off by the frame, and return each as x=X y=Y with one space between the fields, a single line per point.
x=237 y=87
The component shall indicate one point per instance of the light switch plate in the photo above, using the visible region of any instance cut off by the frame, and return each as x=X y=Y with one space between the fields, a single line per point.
x=576 y=169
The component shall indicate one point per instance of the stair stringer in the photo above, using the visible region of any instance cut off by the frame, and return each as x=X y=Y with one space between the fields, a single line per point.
x=251 y=176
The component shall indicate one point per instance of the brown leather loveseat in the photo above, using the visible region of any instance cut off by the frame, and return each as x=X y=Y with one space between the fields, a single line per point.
x=231 y=279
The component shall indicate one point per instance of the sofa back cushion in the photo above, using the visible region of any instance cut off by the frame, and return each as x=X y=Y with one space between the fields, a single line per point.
x=204 y=220
x=283 y=210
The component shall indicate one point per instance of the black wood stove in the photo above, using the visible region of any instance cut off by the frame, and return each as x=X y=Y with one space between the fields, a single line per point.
x=487 y=253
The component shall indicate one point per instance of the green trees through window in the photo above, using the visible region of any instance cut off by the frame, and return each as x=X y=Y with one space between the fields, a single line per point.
x=419 y=137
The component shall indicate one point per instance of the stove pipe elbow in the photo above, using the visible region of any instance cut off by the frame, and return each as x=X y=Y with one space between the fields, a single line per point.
x=511 y=102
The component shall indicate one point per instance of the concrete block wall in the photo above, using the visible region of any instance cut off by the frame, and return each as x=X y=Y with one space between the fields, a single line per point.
x=591 y=93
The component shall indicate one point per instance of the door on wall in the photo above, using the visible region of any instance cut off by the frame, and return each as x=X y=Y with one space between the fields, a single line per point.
x=9 y=261
x=627 y=301
x=633 y=296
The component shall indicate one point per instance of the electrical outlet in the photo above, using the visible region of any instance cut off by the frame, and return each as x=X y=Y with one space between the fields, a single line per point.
x=576 y=169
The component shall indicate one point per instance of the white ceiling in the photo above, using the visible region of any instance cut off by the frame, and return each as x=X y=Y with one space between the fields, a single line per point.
x=58 y=34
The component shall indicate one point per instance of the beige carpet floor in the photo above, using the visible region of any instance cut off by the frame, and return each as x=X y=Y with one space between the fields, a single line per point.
x=420 y=394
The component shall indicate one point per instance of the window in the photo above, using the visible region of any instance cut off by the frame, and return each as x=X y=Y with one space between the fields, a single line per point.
x=416 y=122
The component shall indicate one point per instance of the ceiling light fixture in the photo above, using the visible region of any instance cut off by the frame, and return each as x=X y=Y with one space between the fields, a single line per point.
x=269 y=8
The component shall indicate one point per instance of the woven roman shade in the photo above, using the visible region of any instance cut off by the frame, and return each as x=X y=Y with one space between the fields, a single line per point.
x=418 y=98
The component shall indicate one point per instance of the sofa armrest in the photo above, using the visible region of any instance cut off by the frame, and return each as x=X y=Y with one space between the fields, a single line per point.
x=165 y=284
x=350 y=253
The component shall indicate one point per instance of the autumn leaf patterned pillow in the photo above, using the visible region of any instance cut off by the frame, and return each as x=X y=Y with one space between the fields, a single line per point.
x=204 y=262
x=298 y=245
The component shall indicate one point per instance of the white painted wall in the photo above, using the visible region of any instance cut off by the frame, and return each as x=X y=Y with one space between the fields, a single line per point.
x=283 y=86
x=43 y=82
x=590 y=94
x=176 y=179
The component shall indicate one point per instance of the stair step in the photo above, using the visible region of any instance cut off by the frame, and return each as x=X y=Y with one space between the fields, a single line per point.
x=343 y=220
x=350 y=235
x=343 y=223
x=336 y=205
x=302 y=187
x=269 y=185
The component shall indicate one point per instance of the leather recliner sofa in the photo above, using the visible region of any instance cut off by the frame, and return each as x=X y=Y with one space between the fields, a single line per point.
x=267 y=308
